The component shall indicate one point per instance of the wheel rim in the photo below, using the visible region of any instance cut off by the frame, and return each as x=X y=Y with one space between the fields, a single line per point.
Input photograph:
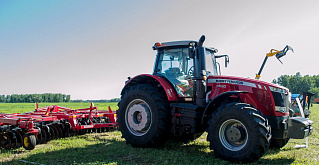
x=26 y=141
x=138 y=117
x=233 y=135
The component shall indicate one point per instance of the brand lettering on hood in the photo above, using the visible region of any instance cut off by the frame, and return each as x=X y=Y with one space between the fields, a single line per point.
x=230 y=81
x=227 y=81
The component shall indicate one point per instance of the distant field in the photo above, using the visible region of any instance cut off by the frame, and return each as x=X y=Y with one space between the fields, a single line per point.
x=110 y=148
x=26 y=107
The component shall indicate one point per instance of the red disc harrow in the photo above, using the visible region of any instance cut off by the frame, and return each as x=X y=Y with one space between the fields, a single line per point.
x=52 y=122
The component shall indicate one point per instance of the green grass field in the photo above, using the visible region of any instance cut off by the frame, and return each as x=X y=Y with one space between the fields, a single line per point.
x=110 y=148
x=26 y=107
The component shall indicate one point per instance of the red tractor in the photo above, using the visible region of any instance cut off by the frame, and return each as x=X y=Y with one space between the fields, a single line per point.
x=186 y=95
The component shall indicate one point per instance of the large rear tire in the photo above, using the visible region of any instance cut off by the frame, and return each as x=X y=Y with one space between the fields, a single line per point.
x=144 y=116
x=238 y=133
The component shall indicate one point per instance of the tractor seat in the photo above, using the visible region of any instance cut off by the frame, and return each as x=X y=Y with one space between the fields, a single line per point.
x=176 y=72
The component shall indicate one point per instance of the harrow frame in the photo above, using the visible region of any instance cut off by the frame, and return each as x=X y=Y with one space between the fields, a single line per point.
x=51 y=122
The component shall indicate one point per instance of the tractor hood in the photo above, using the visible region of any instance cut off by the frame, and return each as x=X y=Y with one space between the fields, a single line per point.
x=246 y=82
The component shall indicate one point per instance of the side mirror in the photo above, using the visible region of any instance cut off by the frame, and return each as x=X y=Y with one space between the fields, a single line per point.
x=226 y=59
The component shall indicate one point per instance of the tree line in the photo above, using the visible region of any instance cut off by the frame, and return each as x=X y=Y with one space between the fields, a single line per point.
x=298 y=84
x=99 y=101
x=33 y=98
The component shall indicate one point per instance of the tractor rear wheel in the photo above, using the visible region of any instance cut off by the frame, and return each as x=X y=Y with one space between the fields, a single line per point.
x=144 y=116
x=237 y=132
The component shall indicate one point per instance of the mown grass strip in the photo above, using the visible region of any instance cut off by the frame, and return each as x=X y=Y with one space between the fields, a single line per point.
x=110 y=148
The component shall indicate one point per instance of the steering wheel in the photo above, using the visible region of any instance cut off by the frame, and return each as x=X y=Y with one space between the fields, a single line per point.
x=190 y=71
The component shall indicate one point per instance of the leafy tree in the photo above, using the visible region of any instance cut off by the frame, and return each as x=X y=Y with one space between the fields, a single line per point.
x=298 y=84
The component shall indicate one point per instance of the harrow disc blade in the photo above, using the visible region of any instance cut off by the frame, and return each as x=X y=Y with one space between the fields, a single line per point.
x=61 y=128
x=39 y=137
x=105 y=129
x=13 y=139
x=5 y=141
x=58 y=128
x=56 y=132
x=18 y=137
x=72 y=132
x=98 y=130
x=67 y=131
x=43 y=135
x=82 y=131
x=47 y=132
x=52 y=133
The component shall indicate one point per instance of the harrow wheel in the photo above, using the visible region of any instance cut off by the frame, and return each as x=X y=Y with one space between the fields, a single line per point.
x=29 y=141
x=18 y=137
x=5 y=141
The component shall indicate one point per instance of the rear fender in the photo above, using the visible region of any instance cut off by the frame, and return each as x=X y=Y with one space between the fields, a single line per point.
x=218 y=100
x=153 y=80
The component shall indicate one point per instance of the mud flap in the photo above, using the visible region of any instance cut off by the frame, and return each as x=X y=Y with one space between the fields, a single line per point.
x=299 y=127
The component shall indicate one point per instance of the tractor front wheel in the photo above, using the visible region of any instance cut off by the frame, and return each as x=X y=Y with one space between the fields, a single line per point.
x=237 y=132
x=144 y=117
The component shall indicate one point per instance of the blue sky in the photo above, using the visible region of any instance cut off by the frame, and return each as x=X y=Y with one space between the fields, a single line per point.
x=88 y=48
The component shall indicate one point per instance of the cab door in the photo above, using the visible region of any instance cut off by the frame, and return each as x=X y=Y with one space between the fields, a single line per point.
x=176 y=65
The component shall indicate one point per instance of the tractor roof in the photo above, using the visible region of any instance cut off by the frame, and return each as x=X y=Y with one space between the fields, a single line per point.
x=173 y=44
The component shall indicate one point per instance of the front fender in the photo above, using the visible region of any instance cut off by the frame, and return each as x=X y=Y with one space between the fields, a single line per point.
x=218 y=100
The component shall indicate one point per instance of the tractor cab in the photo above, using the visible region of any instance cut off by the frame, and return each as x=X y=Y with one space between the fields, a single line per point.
x=175 y=61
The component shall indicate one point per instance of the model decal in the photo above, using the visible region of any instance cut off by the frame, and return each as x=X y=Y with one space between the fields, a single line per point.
x=228 y=81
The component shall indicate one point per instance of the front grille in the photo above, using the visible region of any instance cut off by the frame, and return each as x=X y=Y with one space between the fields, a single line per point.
x=281 y=100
